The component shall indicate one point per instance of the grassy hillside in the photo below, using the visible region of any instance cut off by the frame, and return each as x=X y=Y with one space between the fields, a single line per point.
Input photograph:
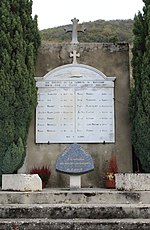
x=97 y=31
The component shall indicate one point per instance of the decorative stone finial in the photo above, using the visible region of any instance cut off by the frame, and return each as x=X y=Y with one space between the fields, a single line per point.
x=74 y=55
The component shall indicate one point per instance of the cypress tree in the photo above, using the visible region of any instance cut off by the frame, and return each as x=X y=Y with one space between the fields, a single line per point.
x=19 y=42
x=139 y=102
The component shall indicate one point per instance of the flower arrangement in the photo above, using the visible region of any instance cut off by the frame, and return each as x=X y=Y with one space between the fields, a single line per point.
x=112 y=169
x=110 y=175
x=44 y=173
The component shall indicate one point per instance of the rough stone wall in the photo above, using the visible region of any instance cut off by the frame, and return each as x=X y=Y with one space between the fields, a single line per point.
x=113 y=61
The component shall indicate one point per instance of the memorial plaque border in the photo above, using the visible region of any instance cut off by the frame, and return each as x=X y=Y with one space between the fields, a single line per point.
x=53 y=93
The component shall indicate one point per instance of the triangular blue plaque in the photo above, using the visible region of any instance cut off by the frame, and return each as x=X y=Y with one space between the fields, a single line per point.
x=74 y=160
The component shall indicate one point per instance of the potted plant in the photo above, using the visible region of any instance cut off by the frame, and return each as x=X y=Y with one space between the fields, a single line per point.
x=112 y=169
x=44 y=173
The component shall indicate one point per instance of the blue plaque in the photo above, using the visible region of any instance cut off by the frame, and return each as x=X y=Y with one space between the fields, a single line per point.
x=74 y=160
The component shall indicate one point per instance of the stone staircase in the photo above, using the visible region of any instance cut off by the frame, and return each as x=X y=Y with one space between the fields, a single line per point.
x=84 y=209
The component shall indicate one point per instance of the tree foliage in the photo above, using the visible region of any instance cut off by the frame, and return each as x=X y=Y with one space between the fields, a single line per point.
x=19 y=41
x=139 y=103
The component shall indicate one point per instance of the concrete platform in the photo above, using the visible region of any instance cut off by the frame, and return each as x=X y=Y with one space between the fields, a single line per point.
x=75 y=224
x=71 y=211
x=90 y=209
x=80 y=196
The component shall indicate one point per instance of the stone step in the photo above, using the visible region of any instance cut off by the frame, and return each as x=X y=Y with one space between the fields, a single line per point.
x=82 y=196
x=71 y=211
x=74 y=224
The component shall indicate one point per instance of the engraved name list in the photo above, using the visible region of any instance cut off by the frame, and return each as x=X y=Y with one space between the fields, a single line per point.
x=75 y=111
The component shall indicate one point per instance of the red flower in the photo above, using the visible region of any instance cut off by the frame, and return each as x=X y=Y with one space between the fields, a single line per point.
x=44 y=173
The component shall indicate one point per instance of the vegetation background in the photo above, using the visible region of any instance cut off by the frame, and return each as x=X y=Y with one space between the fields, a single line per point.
x=97 y=31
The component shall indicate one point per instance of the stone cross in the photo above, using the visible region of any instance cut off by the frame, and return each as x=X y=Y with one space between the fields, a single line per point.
x=74 y=54
x=74 y=31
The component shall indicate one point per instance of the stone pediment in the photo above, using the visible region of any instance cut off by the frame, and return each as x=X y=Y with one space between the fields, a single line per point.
x=73 y=72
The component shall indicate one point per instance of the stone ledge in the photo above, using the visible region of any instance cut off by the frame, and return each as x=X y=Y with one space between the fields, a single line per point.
x=72 y=224
x=76 y=196
x=21 y=182
x=133 y=181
